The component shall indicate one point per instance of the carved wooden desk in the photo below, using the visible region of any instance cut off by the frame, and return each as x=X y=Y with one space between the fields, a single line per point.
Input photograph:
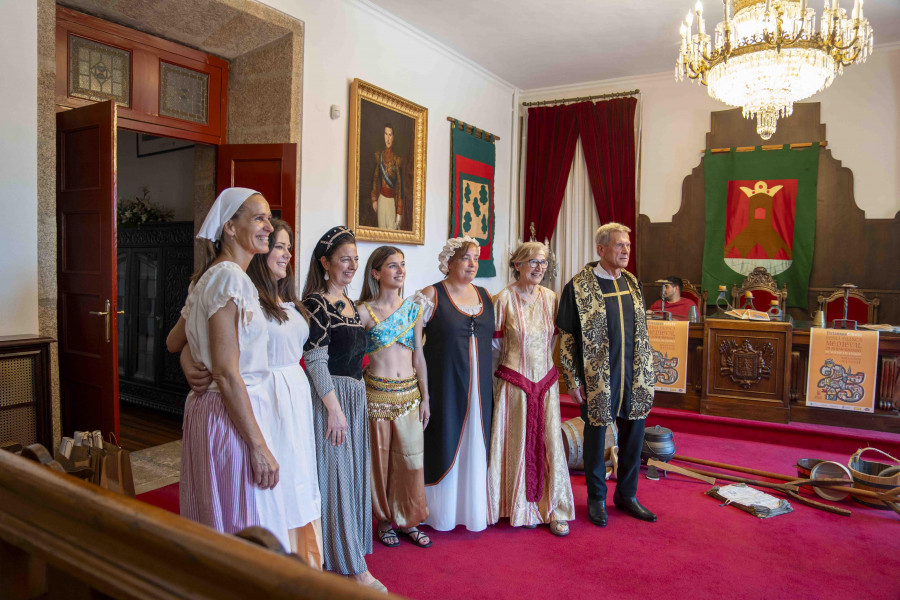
x=721 y=381
x=746 y=369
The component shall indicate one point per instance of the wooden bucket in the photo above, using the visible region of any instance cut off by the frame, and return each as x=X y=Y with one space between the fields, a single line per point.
x=869 y=475
x=573 y=443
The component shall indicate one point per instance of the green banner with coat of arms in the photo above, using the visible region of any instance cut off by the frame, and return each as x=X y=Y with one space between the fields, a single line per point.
x=472 y=193
x=761 y=212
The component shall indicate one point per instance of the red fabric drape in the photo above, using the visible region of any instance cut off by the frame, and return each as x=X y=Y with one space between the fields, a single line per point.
x=607 y=137
x=552 y=135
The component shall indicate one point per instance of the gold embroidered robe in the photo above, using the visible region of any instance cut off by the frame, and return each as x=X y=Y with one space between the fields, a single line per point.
x=595 y=364
x=526 y=347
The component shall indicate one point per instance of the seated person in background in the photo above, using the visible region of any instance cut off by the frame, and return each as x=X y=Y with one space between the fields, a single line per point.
x=675 y=304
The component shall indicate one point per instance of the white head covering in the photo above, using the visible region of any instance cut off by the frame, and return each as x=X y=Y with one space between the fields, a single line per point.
x=228 y=202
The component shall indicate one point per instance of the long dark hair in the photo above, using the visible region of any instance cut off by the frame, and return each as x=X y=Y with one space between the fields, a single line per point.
x=315 y=277
x=270 y=290
x=371 y=287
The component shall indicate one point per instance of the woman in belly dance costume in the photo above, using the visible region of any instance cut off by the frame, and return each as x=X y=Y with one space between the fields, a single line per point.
x=528 y=477
x=459 y=321
x=397 y=399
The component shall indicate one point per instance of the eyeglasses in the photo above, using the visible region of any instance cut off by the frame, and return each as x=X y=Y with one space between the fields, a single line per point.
x=537 y=263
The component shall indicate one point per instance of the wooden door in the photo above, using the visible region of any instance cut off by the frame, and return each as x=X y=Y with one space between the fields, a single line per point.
x=270 y=169
x=86 y=247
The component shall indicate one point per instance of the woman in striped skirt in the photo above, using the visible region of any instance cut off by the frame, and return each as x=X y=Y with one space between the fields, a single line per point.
x=229 y=475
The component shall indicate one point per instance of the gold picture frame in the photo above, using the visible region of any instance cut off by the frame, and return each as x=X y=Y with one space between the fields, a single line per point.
x=386 y=166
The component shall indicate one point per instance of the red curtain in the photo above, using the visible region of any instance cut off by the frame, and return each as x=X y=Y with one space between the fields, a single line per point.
x=552 y=135
x=607 y=137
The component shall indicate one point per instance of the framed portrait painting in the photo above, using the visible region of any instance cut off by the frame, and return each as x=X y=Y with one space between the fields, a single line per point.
x=386 y=166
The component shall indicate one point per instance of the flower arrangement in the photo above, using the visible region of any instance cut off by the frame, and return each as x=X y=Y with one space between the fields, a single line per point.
x=141 y=210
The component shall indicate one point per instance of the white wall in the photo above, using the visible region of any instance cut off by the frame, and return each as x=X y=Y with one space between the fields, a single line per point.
x=18 y=170
x=861 y=111
x=168 y=176
x=352 y=38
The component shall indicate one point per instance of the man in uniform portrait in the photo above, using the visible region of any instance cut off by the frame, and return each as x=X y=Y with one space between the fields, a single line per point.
x=387 y=184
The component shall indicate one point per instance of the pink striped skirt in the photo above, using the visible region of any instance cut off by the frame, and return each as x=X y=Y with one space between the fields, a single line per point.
x=217 y=486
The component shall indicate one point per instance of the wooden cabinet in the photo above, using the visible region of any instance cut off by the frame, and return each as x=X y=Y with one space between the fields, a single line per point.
x=154 y=269
x=160 y=87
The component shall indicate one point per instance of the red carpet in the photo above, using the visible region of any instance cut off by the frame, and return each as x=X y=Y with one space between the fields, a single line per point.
x=697 y=550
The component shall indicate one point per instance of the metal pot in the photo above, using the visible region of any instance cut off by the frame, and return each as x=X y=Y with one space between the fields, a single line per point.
x=658 y=443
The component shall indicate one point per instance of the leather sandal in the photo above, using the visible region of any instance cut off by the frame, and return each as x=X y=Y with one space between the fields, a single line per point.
x=559 y=528
x=415 y=536
x=388 y=537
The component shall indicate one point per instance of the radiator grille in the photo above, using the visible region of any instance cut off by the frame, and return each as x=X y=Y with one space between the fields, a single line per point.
x=18 y=406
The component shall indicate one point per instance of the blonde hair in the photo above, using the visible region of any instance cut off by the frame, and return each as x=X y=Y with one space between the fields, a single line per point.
x=601 y=238
x=526 y=251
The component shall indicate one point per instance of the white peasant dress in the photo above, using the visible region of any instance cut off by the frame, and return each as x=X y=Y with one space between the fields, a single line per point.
x=293 y=442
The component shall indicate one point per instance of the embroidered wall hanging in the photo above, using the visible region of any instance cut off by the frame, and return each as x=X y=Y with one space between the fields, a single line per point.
x=761 y=212
x=472 y=161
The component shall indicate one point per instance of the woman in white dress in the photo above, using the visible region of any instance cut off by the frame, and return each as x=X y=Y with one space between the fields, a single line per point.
x=229 y=476
x=292 y=436
x=459 y=327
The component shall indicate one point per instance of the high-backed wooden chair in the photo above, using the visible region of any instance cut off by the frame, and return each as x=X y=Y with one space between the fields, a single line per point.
x=696 y=294
x=859 y=307
x=764 y=289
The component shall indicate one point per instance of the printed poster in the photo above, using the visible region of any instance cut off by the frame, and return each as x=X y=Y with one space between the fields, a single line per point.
x=670 y=350
x=842 y=369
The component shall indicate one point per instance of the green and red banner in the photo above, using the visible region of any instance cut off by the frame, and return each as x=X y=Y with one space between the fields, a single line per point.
x=761 y=212
x=472 y=163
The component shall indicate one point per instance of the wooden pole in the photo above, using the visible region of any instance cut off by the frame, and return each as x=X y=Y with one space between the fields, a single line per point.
x=780 y=477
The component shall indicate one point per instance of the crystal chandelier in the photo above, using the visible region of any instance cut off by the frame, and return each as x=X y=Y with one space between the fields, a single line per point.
x=768 y=54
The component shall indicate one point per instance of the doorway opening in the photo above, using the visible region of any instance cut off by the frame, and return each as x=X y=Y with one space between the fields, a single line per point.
x=156 y=182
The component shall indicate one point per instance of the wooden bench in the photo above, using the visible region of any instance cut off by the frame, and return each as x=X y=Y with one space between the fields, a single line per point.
x=63 y=538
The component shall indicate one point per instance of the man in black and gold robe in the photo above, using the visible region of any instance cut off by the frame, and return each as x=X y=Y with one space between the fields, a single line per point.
x=607 y=365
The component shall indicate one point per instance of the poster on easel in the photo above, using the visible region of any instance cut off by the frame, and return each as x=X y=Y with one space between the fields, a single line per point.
x=842 y=368
x=669 y=340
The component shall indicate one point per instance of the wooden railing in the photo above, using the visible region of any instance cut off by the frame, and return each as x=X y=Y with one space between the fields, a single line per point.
x=63 y=538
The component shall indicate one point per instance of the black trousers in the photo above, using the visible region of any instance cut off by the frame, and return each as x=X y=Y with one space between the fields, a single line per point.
x=631 y=439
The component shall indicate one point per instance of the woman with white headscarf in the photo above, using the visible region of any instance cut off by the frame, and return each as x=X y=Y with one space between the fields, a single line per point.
x=229 y=475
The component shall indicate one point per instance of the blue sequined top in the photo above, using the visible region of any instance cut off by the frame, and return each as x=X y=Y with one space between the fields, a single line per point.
x=396 y=328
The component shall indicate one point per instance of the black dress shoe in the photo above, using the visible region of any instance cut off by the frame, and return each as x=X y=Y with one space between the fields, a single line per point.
x=597 y=512
x=634 y=508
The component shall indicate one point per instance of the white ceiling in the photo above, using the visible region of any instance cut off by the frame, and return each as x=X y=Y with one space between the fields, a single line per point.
x=543 y=43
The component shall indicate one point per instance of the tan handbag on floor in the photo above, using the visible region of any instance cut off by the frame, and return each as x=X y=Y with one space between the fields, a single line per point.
x=112 y=467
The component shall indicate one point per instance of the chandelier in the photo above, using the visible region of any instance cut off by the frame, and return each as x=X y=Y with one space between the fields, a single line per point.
x=768 y=54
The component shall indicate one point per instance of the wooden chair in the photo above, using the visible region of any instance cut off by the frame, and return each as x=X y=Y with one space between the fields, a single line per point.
x=698 y=295
x=764 y=289
x=859 y=307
